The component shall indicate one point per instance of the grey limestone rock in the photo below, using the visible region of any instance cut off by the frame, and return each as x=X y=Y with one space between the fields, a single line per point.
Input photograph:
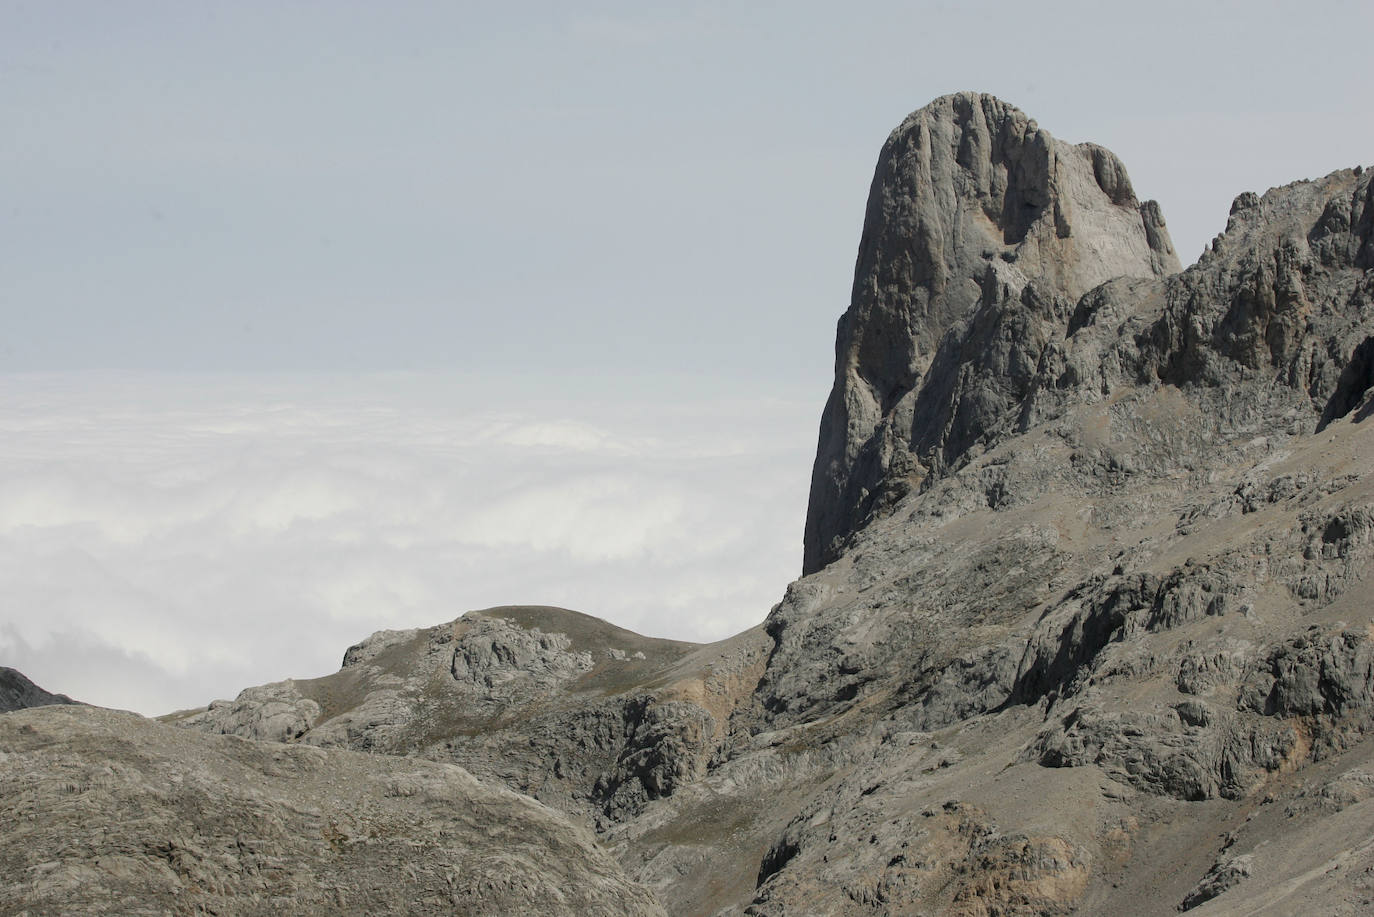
x=376 y=644
x=961 y=332
x=106 y=812
x=950 y=857
x=1316 y=674
x=494 y=651
x=268 y=713
x=1226 y=873
x=514 y=694
x=1276 y=314
x=980 y=230
x=1187 y=753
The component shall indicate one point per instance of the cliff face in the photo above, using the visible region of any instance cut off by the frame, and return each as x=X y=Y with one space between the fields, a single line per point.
x=969 y=319
x=974 y=211
x=1086 y=626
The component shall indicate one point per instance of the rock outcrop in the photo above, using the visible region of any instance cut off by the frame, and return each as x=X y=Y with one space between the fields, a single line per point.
x=981 y=231
x=584 y=716
x=17 y=692
x=1086 y=622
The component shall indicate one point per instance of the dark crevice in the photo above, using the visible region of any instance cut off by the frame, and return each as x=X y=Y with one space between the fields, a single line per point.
x=1355 y=381
x=778 y=856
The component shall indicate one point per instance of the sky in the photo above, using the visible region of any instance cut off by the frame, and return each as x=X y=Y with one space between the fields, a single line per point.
x=322 y=317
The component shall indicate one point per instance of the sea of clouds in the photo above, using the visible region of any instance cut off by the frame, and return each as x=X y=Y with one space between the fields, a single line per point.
x=167 y=539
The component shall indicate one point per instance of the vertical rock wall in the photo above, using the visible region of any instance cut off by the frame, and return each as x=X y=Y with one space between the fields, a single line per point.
x=971 y=204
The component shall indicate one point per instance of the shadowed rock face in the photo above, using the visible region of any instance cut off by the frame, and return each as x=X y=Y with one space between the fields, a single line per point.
x=974 y=209
x=17 y=692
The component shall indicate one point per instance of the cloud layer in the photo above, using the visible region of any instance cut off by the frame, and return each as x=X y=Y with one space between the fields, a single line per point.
x=167 y=539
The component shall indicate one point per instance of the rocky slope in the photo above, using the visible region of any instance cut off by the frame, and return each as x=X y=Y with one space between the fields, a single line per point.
x=107 y=812
x=1087 y=623
x=588 y=717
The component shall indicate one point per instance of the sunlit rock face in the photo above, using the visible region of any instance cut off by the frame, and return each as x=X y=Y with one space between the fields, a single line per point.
x=974 y=211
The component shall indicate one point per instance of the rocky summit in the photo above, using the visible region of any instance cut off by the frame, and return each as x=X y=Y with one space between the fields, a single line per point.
x=1086 y=625
x=976 y=218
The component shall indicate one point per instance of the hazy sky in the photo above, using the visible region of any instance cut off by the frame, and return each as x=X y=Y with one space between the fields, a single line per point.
x=322 y=317
x=345 y=185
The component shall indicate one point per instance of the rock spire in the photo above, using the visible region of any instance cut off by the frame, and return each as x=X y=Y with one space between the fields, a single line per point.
x=973 y=208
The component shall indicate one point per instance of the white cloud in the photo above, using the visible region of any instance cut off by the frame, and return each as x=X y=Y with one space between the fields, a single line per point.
x=169 y=539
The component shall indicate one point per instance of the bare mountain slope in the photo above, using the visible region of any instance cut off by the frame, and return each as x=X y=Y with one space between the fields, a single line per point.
x=107 y=812
x=1087 y=625
x=585 y=716
x=1062 y=705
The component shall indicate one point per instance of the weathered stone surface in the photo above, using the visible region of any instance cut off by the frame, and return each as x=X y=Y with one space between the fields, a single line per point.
x=590 y=718
x=107 y=812
x=982 y=230
x=269 y=713
x=494 y=653
x=951 y=857
x=1272 y=323
x=1226 y=873
x=1271 y=328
